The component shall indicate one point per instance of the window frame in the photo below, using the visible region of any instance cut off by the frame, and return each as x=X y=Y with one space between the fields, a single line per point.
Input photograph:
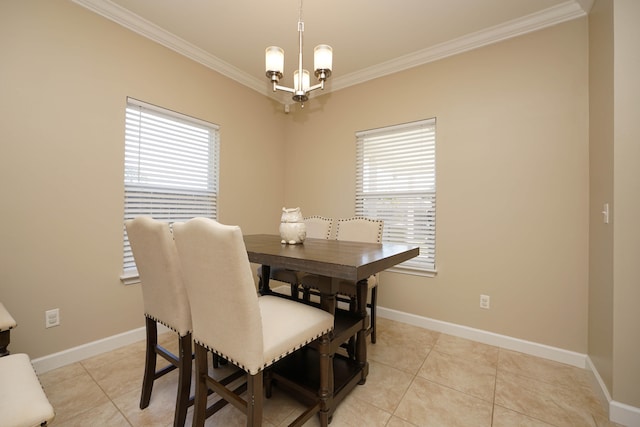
x=396 y=175
x=171 y=169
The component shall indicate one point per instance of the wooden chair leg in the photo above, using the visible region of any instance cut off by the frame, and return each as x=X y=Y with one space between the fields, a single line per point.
x=306 y=294
x=294 y=291
x=268 y=384
x=200 y=401
x=150 y=362
x=184 y=380
x=4 y=342
x=215 y=360
x=254 y=399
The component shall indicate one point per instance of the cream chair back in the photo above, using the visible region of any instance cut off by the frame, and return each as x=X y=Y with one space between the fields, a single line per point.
x=360 y=229
x=222 y=294
x=163 y=292
x=318 y=227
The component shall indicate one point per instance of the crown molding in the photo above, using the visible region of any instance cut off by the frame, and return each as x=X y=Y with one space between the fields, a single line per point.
x=566 y=11
x=533 y=22
x=147 y=29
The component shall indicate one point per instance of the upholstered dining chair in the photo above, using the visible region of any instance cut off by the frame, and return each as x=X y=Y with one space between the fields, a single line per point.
x=165 y=301
x=356 y=229
x=7 y=323
x=318 y=227
x=23 y=402
x=233 y=322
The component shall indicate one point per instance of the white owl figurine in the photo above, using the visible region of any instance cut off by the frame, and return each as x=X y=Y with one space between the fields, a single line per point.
x=293 y=230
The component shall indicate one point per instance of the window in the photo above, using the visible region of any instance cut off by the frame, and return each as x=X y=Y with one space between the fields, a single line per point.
x=170 y=169
x=396 y=182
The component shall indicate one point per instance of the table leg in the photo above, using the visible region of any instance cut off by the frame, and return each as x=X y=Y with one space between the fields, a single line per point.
x=263 y=287
x=326 y=381
x=328 y=294
x=361 y=341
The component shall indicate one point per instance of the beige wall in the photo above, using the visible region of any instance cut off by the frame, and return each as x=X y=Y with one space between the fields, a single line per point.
x=65 y=74
x=512 y=177
x=626 y=178
x=601 y=189
x=614 y=319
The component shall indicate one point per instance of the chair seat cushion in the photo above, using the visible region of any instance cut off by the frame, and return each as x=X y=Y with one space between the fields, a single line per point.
x=23 y=402
x=289 y=325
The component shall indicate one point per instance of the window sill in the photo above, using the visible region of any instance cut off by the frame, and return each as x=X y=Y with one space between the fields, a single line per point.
x=413 y=271
x=130 y=278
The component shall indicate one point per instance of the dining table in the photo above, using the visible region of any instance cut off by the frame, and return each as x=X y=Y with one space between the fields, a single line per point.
x=334 y=262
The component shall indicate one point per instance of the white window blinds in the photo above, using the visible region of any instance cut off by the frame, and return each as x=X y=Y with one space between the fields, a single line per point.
x=396 y=182
x=170 y=168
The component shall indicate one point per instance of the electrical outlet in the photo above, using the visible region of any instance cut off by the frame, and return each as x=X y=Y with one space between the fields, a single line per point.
x=485 y=301
x=52 y=318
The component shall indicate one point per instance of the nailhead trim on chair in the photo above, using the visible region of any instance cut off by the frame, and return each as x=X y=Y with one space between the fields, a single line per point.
x=165 y=324
x=332 y=222
x=359 y=218
x=266 y=365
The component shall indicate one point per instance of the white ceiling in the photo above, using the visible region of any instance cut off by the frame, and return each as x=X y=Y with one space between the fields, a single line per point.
x=370 y=38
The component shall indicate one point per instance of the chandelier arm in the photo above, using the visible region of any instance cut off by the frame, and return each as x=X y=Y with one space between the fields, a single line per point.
x=283 y=88
x=318 y=86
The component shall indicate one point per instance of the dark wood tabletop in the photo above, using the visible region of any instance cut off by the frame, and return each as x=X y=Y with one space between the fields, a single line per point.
x=333 y=262
x=337 y=259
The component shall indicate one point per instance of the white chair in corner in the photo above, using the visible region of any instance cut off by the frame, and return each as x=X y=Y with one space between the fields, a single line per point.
x=231 y=321
x=165 y=301
x=317 y=227
x=6 y=324
x=23 y=402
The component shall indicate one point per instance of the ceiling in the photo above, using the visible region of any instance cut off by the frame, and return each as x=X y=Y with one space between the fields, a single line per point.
x=370 y=38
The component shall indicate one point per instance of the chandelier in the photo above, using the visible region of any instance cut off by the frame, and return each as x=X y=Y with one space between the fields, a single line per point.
x=322 y=60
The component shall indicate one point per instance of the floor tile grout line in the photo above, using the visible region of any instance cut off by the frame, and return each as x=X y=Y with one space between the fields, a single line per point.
x=495 y=388
x=107 y=395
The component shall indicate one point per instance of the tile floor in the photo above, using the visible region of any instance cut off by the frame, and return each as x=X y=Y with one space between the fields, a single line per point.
x=417 y=377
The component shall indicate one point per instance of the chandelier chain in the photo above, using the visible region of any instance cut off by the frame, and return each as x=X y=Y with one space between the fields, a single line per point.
x=300 y=12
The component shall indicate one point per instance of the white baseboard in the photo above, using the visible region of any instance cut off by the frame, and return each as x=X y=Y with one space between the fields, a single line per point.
x=620 y=413
x=509 y=343
x=76 y=354
x=626 y=415
x=603 y=388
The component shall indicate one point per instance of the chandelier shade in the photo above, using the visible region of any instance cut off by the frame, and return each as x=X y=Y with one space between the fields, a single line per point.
x=274 y=59
x=306 y=81
x=322 y=66
x=322 y=59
